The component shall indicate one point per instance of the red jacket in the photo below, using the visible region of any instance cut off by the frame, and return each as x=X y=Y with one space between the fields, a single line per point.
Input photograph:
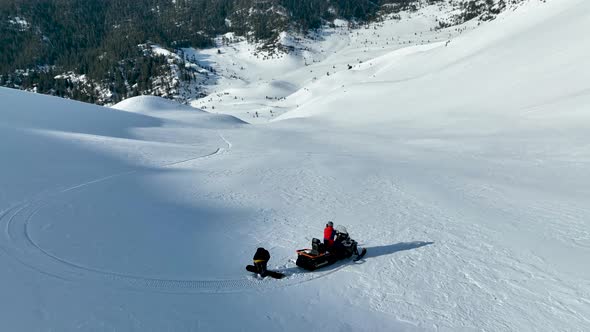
x=329 y=235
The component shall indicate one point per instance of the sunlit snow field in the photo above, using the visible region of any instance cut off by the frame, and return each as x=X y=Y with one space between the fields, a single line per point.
x=460 y=160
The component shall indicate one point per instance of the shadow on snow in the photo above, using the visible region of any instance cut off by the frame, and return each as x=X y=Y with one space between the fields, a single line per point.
x=393 y=248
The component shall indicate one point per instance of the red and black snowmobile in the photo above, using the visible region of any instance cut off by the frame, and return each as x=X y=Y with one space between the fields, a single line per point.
x=319 y=256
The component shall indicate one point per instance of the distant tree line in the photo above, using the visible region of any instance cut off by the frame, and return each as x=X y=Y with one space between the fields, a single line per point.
x=41 y=39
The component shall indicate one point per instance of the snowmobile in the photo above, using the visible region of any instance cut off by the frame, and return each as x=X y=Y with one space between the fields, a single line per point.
x=319 y=256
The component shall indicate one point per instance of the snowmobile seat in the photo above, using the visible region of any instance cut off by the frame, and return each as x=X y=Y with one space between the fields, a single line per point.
x=317 y=247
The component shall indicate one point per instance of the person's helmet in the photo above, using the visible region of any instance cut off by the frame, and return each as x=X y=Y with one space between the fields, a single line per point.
x=331 y=224
x=341 y=229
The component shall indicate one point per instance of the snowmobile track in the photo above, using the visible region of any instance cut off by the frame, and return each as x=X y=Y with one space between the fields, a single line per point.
x=25 y=250
x=18 y=243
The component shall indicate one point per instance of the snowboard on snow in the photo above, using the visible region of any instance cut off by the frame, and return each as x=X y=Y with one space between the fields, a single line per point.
x=272 y=274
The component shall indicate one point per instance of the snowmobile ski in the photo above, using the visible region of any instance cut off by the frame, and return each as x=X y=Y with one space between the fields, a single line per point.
x=360 y=256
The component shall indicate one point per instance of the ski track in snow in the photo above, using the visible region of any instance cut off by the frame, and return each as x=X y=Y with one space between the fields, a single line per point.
x=18 y=244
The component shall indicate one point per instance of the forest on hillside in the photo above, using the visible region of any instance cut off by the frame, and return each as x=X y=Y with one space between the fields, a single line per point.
x=98 y=51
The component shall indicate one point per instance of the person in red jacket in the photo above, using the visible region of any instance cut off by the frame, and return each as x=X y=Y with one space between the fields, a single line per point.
x=329 y=235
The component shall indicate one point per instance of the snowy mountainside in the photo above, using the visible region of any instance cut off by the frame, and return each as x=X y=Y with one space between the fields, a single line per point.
x=110 y=54
x=253 y=84
x=495 y=55
x=458 y=157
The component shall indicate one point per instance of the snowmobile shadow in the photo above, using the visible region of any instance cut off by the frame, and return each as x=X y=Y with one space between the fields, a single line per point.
x=393 y=248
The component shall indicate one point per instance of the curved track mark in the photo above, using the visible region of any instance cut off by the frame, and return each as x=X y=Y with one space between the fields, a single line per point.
x=21 y=246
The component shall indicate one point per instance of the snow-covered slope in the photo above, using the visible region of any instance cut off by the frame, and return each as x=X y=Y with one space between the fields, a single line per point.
x=176 y=113
x=515 y=65
x=124 y=221
x=252 y=85
x=463 y=169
